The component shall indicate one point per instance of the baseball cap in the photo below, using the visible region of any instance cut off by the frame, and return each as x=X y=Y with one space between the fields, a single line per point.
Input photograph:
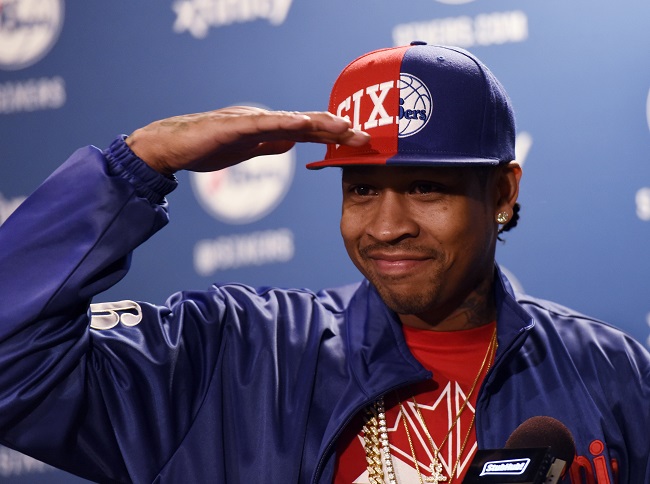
x=425 y=105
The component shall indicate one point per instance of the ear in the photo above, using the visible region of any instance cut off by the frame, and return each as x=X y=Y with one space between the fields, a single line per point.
x=507 y=190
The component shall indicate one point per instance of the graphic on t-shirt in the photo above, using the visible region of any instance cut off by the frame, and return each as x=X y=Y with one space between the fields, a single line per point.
x=439 y=416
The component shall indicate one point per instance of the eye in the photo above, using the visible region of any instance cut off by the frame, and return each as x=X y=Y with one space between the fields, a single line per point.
x=424 y=187
x=362 y=190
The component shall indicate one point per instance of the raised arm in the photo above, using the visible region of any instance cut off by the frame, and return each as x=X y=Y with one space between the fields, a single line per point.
x=214 y=140
x=69 y=394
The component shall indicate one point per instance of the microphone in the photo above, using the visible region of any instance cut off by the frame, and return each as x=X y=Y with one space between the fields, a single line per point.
x=537 y=452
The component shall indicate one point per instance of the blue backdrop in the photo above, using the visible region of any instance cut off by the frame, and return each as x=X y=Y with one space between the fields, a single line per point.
x=578 y=73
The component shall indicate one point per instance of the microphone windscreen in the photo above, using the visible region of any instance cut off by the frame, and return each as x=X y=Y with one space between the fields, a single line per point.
x=544 y=432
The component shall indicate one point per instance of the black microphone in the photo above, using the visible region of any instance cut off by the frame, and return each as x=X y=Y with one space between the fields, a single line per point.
x=537 y=452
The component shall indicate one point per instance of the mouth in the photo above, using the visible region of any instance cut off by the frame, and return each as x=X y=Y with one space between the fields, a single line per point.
x=397 y=264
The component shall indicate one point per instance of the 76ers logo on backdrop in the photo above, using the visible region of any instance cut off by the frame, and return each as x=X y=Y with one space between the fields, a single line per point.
x=411 y=116
x=28 y=30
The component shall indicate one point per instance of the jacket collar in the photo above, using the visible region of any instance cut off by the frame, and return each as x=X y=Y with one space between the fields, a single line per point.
x=513 y=322
x=376 y=346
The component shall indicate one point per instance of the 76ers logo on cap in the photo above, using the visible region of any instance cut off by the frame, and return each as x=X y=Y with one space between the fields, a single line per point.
x=414 y=105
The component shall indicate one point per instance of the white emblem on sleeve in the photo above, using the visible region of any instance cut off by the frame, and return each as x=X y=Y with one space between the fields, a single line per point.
x=107 y=315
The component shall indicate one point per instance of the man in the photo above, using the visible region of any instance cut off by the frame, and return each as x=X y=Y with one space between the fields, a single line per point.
x=237 y=384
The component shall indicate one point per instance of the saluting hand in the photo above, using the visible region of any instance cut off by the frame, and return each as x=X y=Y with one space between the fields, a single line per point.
x=217 y=139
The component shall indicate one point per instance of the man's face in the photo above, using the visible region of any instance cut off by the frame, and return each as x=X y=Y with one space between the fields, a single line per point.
x=424 y=237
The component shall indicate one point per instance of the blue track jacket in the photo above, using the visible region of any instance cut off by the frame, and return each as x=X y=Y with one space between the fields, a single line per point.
x=235 y=384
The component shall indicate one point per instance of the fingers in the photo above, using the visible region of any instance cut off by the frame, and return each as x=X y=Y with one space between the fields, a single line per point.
x=270 y=121
x=328 y=128
x=315 y=127
x=350 y=137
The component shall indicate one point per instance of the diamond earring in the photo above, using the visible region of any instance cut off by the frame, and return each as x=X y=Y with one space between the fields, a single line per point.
x=503 y=217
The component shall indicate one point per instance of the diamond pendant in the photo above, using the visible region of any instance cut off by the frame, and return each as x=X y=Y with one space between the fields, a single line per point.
x=436 y=472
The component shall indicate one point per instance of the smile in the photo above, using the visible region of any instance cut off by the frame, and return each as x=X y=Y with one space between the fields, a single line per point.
x=397 y=264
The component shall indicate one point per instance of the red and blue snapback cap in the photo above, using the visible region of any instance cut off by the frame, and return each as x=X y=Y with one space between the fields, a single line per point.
x=424 y=105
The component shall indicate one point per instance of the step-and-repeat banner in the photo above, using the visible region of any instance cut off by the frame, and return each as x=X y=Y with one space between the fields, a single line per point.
x=578 y=73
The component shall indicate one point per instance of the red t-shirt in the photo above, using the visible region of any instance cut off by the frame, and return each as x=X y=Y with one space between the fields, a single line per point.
x=455 y=359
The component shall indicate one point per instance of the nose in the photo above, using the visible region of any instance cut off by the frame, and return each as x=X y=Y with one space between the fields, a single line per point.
x=391 y=220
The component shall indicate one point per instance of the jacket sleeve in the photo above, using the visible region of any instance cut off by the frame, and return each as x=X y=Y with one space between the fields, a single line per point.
x=615 y=369
x=71 y=239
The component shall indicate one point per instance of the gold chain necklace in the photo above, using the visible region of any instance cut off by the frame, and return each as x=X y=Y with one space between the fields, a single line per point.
x=375 y=426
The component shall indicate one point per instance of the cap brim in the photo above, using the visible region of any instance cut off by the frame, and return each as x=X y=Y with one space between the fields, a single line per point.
x=405 y=160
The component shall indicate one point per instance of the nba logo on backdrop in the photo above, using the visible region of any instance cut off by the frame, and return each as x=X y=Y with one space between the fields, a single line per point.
x=28 y=30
